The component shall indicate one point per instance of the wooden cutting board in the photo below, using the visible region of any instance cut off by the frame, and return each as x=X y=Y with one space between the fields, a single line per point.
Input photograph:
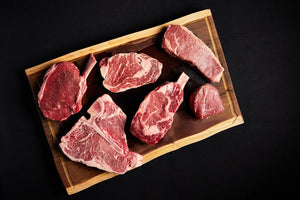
x=185 y=130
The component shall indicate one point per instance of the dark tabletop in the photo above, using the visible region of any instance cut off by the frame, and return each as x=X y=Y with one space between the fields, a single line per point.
x=258 y=159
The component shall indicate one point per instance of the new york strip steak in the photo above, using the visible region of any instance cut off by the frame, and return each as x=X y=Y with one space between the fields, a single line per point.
x=181 y=43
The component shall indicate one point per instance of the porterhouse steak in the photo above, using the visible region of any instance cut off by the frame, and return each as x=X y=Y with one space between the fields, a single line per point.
x=63 y=88
x=155 y=114
x=100 y=141
x=125 y=71
x=181 y=43
x=205 y=101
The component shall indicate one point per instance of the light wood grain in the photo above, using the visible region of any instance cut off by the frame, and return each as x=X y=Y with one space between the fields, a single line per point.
x=77 y=177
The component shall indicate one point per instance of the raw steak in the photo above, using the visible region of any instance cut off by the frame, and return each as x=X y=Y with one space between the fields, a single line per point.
x=206 y=101
x=180 y=42
x=125 y=71
x=155 y=114
x=62 y=89
x=100 y=141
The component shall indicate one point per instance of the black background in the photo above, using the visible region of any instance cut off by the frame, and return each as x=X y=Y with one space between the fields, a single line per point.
x=258 y=159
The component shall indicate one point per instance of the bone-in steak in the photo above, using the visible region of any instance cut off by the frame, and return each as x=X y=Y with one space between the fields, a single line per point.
x=180 y=42
x=205 y=101
x=125 y=71
x=62 y=90
x=100 y=141
x=155 y=114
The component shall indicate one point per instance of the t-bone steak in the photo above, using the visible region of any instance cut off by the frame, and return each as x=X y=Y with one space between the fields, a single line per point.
x=125 y=71
x=100 y=141
x=205 y=101
x=180 y=42
x=155 y=114
x=63 y=88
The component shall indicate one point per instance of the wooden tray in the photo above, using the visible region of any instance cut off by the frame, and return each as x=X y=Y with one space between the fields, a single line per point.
x=186 y=129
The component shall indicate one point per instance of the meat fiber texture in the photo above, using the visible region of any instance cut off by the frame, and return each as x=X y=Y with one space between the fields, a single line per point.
x=155 y=114
x=205 y=101
x=100 y=141
x=63 y=88
x=181 y=43
x=125 y=71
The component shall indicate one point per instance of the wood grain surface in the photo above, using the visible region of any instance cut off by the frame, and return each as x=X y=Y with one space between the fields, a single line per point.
x=186 y=129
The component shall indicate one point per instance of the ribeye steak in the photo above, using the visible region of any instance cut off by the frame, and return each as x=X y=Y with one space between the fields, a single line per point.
x=100 y=141
x=205 y=101
x=62 y=90
x=180 y=42
x=124 y=71
x=155 y=114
